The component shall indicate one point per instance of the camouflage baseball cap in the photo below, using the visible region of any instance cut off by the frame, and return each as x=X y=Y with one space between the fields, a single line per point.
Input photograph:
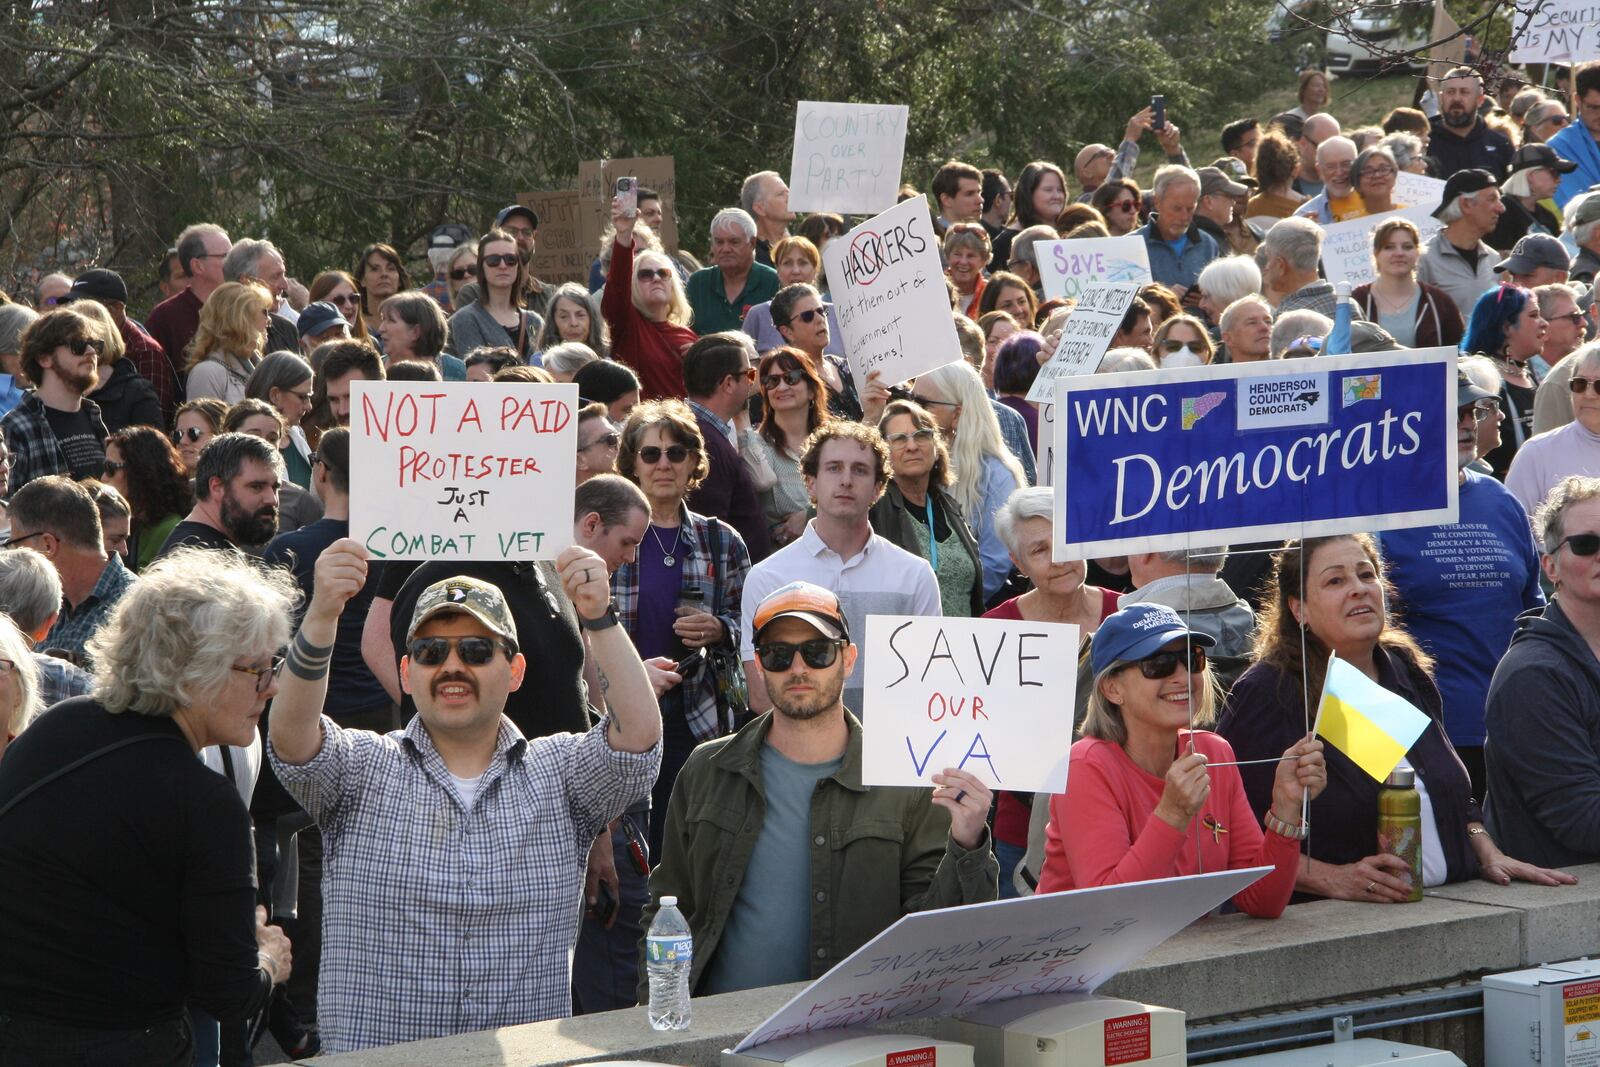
x=467 y=596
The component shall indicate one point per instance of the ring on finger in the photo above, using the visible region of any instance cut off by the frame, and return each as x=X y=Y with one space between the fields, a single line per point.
x=962 y=795
x=1372 y=887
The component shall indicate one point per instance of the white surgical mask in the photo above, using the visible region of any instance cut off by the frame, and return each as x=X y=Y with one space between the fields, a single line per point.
x=1183 y=357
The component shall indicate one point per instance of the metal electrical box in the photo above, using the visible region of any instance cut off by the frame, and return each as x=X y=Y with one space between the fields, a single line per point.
x=1070 y=1031
x=847 y=1048
x=1546 y=1016
x=1361 y=1052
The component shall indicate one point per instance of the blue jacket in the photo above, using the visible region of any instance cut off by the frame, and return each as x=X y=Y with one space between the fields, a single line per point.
x=1167 y=267
x=1576 y=143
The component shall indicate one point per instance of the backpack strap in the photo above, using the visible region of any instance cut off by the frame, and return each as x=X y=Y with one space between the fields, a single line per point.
x=62 y=772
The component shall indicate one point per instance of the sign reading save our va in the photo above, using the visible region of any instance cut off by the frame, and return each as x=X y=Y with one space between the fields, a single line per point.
x=462 y=470
x=1153 y=461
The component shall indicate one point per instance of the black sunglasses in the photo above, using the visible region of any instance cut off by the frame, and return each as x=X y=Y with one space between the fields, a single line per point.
x=114 y=468
x=1584 y=544
x=809 y=314
x=650 y=455
x=792 y=377
x=433 y=651
x=500 y=259
x=192 y=433
x=80 y=345
x=646 y=274
x=1165 y=664
x=819 y=654
x=610 y=440
x=350 y=299
x=462 y=273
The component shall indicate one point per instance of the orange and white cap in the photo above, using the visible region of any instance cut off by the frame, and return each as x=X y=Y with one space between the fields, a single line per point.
x=809 y=603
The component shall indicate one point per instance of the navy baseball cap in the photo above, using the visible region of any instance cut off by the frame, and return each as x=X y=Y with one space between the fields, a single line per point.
x=1140 y=630
x=319 y=317
x=517 y=209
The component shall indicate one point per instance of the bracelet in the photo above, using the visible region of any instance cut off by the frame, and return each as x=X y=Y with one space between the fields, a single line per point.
x=1283 y=829
x=269 y=965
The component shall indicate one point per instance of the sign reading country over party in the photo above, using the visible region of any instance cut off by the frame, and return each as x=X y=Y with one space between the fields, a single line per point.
x=462 y=470
x=887 y=285
x=847 y=157
x=1152 y=461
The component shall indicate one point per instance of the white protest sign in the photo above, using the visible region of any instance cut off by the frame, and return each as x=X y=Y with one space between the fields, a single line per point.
x=1555 y=31
x=990 y=696
x=462 y=470
x=1085 y=336
x=887 y=285
x=847 y=157
x=1417 y=190
x=933 y=963
x=1347 y=246
x=1044 y=449
x=1067 y=268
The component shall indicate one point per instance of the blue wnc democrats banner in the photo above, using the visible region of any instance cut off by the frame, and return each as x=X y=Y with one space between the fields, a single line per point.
x=1158 y=460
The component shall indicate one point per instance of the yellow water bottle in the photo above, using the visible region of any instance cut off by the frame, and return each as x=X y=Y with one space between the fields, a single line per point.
x=1400 y=824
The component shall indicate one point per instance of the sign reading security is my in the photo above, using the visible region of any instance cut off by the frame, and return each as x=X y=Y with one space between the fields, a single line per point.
x=1153 y=461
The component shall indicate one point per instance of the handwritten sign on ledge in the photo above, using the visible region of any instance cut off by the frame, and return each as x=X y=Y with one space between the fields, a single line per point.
x=948 y=961
x=462 y=470
x=990 y=696
x=887 y=285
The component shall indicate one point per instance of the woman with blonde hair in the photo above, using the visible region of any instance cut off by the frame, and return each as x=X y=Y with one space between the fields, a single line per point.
x=1182 y=341
x=986 y=471
x=227 y=345
x=125 y=396
x=647 y=310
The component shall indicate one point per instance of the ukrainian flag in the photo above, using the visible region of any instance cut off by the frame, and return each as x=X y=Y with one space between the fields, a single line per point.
x=1365 y=721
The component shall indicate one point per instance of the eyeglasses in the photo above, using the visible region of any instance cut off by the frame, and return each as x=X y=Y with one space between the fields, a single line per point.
x=1123 y=205
x=264 y=675
x=610 y=440
x=304 y=398
x=80 y=345
x=645 y=274
x=433 y=651
x=1171 y=345
x=791 y=377
x=898 y=440
x=818 y=655
x=350 y=299
x=1579 y=385
x=24 y=537
x=1559 y=120
x=1165 y=664
x=500 y=259
x=1584 y=544
x=193 y=433
x=927 y=402
x=113 y=468
x=1378 y=172
x=1482 y=410
x=809 y=314
x=650 y=455
x=313 y=459
x=462 y=274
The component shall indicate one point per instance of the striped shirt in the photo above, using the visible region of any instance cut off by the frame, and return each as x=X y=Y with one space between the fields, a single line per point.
x=442 y=918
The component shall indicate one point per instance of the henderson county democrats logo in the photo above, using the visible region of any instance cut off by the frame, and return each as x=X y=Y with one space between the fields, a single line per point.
x=1196 y=408
x=1283 y=400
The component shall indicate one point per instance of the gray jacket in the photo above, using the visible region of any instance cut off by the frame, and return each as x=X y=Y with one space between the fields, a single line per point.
x=1442 y=264
x=473 y=327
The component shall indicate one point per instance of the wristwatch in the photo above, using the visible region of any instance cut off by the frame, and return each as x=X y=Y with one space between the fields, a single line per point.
x=604 y=622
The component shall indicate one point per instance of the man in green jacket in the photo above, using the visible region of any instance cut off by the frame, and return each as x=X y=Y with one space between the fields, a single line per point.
x=781 y=860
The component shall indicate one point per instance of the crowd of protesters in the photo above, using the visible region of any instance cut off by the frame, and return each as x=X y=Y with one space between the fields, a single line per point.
x=252 y=778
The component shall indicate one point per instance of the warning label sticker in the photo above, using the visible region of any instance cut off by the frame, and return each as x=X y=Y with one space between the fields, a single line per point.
x=1128 y=1039
x=1580 y=1005
x=913 y=1057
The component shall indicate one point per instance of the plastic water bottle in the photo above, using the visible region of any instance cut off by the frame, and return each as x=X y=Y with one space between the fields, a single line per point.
x=1338 y=342
x=669 y=953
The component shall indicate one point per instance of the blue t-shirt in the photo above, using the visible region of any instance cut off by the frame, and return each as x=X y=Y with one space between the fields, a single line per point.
x=1180 y=246
x=1461 y=589
x=767 y=938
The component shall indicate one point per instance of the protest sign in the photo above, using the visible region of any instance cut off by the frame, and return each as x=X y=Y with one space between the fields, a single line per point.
x=847 y=157
x=1085 y=336
x=1417 y=190
x=1555 y=31
x=462 y=470
x=560 y=254
x=1153 y=461
x=1347 y=246
x=968 y=693
x=1067 y=268
x=935 y=963
x=1044 y=449
x=887 y=285
x=597 y=179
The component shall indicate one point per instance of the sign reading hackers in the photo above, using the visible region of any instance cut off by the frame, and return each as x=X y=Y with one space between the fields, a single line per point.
x=1152 y=461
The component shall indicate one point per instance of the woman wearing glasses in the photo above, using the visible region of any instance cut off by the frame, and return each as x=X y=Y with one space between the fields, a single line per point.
x=1416 y=314
x=142 y=465
x=1373 y=174
x=793 y=405
x=1542 y=463
x=1544 y=121
x=339 y=289
x=917 y=512
x=193 y=427
x=497 y=318
x=647 y=310
x=1144 y=802
x=797 y=262
x=227 y=344
x=284 y=381
x=1329 y=595
x=805 y=324
x=1536 y=170
x=1118 y=202
x=1182 y=341
x=461 y=270
x=683 y=591
x=1506 y=326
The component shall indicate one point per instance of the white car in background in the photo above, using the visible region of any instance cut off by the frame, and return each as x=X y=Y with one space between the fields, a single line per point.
x=1365 y=41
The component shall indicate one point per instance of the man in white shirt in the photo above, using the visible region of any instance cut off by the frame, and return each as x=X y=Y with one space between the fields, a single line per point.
x=846 y=467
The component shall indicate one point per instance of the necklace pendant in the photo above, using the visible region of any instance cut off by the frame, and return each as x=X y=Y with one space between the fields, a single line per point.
x=671 y=561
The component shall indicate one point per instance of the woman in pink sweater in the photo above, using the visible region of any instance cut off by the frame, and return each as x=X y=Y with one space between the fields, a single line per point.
x=1142 y=801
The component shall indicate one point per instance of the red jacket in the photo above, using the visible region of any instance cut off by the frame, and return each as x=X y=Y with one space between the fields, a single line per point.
x=653 y=349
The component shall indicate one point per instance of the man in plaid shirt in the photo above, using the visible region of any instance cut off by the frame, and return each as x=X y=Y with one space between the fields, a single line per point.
x=455 y=848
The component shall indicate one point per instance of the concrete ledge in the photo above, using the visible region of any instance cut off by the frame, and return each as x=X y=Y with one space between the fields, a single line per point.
x=1217 y=967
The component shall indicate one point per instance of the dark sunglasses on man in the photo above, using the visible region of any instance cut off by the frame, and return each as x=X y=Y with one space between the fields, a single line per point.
x=819 y=654
x=474 y=651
